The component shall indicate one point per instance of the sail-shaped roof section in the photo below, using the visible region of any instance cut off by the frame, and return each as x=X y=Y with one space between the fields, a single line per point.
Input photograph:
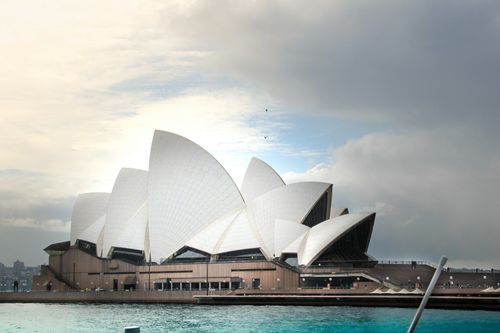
x=292 y=202
x=88 y=208
x=127 y=213
x=297 y=244
x=323 y=235
x=240 y=235
x=94 y=234
x=285 y=233
x=187 y=190
x=338 y=212
x=259 y=178
x=207 y=239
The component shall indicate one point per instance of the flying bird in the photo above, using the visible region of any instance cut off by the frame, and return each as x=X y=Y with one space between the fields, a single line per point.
x=266 y=110
x=265 y=137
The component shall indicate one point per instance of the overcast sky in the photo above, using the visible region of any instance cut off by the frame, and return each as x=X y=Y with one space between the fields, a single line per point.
x=395 y=102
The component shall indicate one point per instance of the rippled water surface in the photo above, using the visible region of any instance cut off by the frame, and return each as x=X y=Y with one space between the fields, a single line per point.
x=56 y=318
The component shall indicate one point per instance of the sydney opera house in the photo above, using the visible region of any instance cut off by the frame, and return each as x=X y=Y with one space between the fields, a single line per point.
x=184 y=224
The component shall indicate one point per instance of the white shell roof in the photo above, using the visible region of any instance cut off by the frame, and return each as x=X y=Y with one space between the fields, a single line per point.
x=259 y=178
x=88 y=208
x=188 y=199
x=285 y=233
x=94 y=233
x=291 y=202
x=127 y=213
x=230 y=233
x=188 y=189
x=322 y=235
x=240 y=235
x=208 y=238
x=338 y=212
x=297 y=244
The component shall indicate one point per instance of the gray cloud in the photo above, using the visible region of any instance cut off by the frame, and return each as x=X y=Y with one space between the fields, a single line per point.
x=31 y=218
x=430 y=198
x=422 y=61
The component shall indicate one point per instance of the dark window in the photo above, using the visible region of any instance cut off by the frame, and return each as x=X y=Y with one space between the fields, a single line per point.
x=132 y=256
x=319 y=211
x=87 y=247
x=242 y=255
x=188 y=254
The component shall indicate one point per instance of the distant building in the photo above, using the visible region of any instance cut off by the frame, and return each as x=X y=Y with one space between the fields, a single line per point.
x=18 y=265
x=18 y=272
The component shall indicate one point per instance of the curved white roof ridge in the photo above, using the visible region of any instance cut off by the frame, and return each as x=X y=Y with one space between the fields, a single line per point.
x=291 y=202
x=209 y=237
x=127 y=211
x=297 y=244
x=240 y=235
x=259 y=178
x=285 y=233
x=94 y=233
x=88 y=208
x=339 y=212
x=187 y=187
x=326 y=233
x=224 y=233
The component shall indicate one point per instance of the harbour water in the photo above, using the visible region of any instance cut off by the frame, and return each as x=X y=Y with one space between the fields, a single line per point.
x=86 y=318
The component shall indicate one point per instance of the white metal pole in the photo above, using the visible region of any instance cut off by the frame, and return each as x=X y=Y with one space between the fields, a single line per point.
x=428 y=293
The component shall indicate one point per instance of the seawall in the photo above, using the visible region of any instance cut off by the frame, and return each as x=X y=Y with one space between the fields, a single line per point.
x=469 y=302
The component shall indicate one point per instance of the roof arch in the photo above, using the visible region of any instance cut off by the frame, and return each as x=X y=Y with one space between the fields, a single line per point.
x=259 y=179
x=88 y=208
x=338 y=212
x=187 y=190
x=207 y=239
x=323 y=235
x=285 y=233
x=292 y=202
x=240 y=235
x=94 y=234
x=126 y=217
